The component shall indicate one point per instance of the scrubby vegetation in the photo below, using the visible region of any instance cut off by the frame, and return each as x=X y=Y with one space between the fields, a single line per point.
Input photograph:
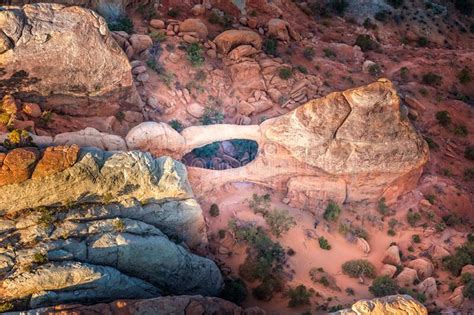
x=358 y=268
x=432 y=79
x=235 y=290
x=383 y=286
x=463 y=255
x=366 y=43
x=214 y=210
x=279 y=221
x=332 y=212
x=264 y=262
x=176 y=125
x=122 y=23
x=270 y=46
x=194 y=53
x=211 y=116
x=324 y=243
x=299 y=296
x=17 y=139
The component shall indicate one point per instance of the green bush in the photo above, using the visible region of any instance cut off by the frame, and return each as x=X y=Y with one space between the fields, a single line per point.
x=6 y=307
x=211 y=116
x=206 y=151
x=332 y=212
x=358 y=268
x=431 y=143
x=300 y=296
x=260 y=204
x=391 y=232
x=461 y=130
x=279 y=221
x=383 y=286
x=324 y=243
x=423 y=41
x=194 y=54
x=465 y=76
x=416 y=238
x=264 y=291
x=40 y=258
x=123 y=23
x=214 y=210
x=432 y=79
x=468 y=290
x=234 y=291
x=285 y=73
x=308 y=53
x=329 y=53
x=469 y=173
x=270 y=46
x=463 y=255
x=413 y=217
x=173 y=13
x=366 y=43
x=469 y=152
x=443 y=118
x=452 y=219
x=358 y=231
x=176 y=125
x=382 y=207
x=18 y=138
x=466 y=277
x=374 y=70
x=302 y=69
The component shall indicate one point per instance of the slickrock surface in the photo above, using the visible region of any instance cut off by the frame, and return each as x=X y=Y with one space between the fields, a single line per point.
x=65 y=58
x=97 y=229
x=395 y=304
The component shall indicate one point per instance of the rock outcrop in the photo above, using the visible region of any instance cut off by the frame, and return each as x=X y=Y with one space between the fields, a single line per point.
x=91 y=226
x=65 y=59
x=158 y=306
x=394 y=304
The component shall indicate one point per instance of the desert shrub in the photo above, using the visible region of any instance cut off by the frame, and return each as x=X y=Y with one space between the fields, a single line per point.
x=466 y=277
x=329 y=53
x=463 y=255
x=308 y=53
x=173 y=13
x=339 y=6
x=332 y=212
x=383 y=286
x=469 y=152
x=264 y=291
x=40 y=258
x=119 y=225
x=350 y=291
x=464 y=6
x=391 y=232
x=46 y=217
x=324 y=243
x=444 y=118
x=366 y=43
x=452 y=219
x=431 y=198
x=4 y=119
x=358 y=268
x=279 y=221
x=176 y=125
x=468 y=290
x=194 y=54
x=285 y=73
x=270 y=46
x=374 y=70
x=260 y=204
x=423 y=41
x=6 y=307
x=158 y=36
x=243 y=147
x=221 y=233
x=469 y=173
x=214 y=210
x=404 y=72
x=392 y=223
x=211 y=116
x=122 y=23
x=413 y=217
x=18 y=138
x=432 y=79
x=465 y=76
x=348 y=229
x=302 y=69
x=416 y=238
x=299 y=296
x=419 y=296
x=395 y=3
x=290 y=252
x=207 y=151
x=431 y=143
x=382 y=207
x=235 y=290
x=460 y=130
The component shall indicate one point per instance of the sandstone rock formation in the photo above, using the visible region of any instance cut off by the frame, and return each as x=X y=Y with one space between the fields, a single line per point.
x=229 y=40
x=158 y=306
x=65 y=59
x=99 y=229
x=394 y=304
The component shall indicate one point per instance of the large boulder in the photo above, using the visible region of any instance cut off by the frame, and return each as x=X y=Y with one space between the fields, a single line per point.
x=393 y=304
x=392 y=256
x=423 y=267
x=195 y=26
x=282 y=30
x=228 y=40
x=65 y=59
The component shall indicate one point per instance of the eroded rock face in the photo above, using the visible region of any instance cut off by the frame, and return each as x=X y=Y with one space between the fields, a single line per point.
x=65 y=59
x=228 y=40
x=394 y=304
x=159 y=306
x=93 y=226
